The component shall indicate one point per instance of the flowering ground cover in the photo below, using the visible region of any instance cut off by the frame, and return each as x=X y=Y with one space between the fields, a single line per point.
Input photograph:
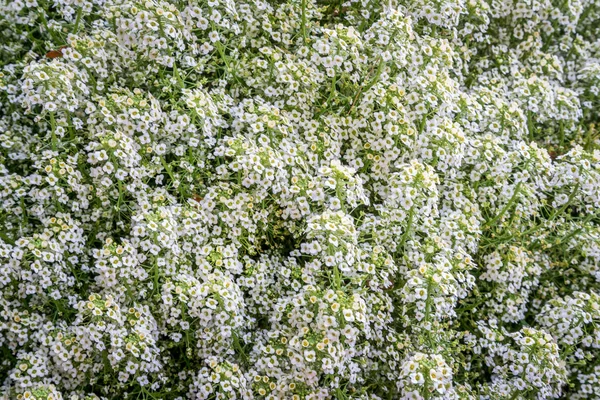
x=299 y=199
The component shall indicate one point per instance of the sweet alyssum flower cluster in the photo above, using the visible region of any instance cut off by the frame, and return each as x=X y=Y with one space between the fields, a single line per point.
x=299 y=199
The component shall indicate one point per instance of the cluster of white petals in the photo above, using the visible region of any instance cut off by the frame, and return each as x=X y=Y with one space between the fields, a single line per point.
x=299 y=199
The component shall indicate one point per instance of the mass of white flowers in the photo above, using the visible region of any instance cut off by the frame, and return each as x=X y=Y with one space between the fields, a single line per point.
x=299 y=199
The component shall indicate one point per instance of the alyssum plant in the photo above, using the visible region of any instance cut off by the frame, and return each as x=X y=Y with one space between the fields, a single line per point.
x=299 y=199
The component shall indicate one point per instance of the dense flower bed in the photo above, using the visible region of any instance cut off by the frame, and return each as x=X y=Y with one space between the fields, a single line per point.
x=299 y=199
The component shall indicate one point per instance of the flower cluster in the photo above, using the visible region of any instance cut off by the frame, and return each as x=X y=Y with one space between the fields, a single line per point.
x=299 y=199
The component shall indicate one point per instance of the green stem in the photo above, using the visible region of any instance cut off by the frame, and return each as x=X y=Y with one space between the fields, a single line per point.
x=337 y=278
x=6 y=239
x=71 y=128
x=588 y=140
x=78 y=19
x=42 y=16
x=177 y=76
x=332 y=90
x=506 y=207
x=530 y=126
x=557 y=212
x=304 y=20
x=170 y=173
x=562 y=134
x=53 y=128
x=373 y=81
x=411 y=215
x=24 y=211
